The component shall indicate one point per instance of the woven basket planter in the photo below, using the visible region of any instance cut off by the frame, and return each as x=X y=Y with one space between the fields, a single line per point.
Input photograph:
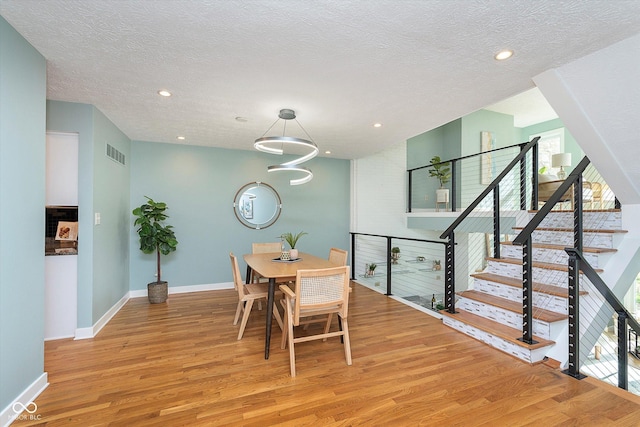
x=158 y=292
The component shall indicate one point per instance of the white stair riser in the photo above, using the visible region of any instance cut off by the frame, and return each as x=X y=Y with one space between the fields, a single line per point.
x=590 y=220
x=594 y=240
x=551 y=256
x=505 y=317
x=540 y=300
x=540 y=275
x=530 y=356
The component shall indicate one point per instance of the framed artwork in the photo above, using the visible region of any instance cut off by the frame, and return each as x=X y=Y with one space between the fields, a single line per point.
x=247 y=209
x=487 y=143
x=67 y=230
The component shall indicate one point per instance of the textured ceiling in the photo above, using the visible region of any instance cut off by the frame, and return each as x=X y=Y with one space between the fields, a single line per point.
x=342 y=65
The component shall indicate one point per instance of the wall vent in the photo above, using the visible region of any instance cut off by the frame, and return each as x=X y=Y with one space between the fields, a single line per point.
x=115 y=155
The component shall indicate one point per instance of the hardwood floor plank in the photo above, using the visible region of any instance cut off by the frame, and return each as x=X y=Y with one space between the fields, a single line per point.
x=180 y=364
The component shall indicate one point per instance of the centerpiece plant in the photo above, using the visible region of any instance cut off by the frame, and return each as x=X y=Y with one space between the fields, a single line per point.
x=292 y=241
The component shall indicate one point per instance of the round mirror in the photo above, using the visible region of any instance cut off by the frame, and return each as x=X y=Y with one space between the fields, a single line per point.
x=257 y=205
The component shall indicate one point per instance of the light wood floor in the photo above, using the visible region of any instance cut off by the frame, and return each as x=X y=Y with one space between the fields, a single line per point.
x=180 y=364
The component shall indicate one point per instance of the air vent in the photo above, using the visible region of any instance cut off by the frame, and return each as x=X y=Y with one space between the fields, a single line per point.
x=115 y=155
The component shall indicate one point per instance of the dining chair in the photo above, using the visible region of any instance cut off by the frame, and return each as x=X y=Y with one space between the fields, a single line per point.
x=594 y=192
x=247 y=294
x=264 y=248
x=316 y=292
x=338 y=256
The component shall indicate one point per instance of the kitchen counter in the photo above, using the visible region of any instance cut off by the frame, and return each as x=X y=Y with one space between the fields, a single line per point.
x=60 y=247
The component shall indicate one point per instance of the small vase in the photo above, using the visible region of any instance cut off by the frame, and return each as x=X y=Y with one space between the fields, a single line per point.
x=293 y=254
x=285 y=256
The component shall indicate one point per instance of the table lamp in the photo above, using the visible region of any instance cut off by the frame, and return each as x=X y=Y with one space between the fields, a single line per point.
x=561 y=160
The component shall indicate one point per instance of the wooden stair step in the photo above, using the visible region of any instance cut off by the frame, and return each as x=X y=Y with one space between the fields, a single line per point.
x=513 y=306
x=516 y=283
x=497 y=329
x=570 y=230
x=562 y=247
x=546 y=265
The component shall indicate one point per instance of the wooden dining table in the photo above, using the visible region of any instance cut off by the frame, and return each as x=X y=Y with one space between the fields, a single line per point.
x=279 y=271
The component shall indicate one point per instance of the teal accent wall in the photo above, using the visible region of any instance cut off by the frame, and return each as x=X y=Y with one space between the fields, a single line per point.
x=199 y=185
x=22 y=191
x=570 y=144
x=103 y=250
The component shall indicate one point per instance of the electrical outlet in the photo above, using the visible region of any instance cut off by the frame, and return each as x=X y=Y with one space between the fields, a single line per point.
x=426 y=198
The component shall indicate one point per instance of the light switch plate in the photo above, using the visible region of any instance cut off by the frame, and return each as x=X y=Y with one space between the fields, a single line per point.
x=97 y=218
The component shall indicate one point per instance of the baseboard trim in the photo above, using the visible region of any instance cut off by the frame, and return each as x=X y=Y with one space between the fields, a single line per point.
x=185 y=289
x=85 y=333
x=25 y=400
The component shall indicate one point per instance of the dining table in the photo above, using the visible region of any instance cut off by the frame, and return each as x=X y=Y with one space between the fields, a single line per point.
x=269 y=266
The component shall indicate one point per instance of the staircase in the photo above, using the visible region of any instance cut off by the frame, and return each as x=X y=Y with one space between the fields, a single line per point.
x=491 y=310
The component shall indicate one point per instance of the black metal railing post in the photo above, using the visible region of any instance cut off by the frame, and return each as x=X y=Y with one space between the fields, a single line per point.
x=573 y=368
x=453 y=186
x=534 y=179
x=527 y=293
x=523 y=182
x=353 y=256
x=623 y=357
x=450 y=267
x=409 y=195
x=496 y=222
x=388 y=266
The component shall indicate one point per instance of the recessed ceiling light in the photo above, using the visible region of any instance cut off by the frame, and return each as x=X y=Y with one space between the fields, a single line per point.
x=377 y=125
x=327 y=152
x=503 y=54
x=164 y=93
x=181 y=138
x=242 y=119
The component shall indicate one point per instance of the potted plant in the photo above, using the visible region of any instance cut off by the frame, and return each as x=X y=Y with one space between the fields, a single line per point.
x=292 y=241
x=442 y=172
x=395 y=254
x=436 y=265
x=371 y=269
x=156 y=237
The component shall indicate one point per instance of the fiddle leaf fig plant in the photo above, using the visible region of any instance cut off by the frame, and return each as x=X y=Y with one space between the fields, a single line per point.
x=440 y=170
x=155 y=235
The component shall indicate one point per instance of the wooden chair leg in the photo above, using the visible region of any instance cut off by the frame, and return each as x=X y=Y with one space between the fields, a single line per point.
x=328 y=325
x=245 y=317
x=276 y=313
x=292 y=354
x=238 y=310
x=347 y=342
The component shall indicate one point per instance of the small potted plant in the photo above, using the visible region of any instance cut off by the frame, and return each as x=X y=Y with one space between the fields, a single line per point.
x=442 y=172
x=436 y=265
x=395 y=254
x=156 y=237
x=371 y=270
x=292 y=241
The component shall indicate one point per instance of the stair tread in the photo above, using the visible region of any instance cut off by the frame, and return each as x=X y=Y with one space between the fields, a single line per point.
x=498 y=329
x=513 y=306
x=517 y=283
x=586 y=230
x=562 y=247
x=547 y=265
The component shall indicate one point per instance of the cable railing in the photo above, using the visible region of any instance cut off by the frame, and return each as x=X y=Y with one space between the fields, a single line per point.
x=469 y=175
x=407 y=268
x=491 y=216
x=602 y=334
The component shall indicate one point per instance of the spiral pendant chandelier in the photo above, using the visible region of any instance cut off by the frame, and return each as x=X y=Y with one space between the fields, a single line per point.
x=276 y=144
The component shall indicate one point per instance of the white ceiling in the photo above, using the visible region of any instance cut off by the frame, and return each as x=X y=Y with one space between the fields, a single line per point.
x=342 y=65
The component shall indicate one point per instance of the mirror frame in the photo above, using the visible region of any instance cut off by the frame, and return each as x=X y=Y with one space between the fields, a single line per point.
x=248 y=223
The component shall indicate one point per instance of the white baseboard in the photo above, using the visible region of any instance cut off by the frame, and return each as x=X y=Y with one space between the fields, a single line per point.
x=84 y=333
x=16 y=410
x=184 y=289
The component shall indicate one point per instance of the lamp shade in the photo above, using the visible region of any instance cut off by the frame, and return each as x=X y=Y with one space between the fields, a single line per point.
x=560 y=159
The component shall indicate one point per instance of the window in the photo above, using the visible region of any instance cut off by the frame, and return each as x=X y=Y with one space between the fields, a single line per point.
x=551 y=142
